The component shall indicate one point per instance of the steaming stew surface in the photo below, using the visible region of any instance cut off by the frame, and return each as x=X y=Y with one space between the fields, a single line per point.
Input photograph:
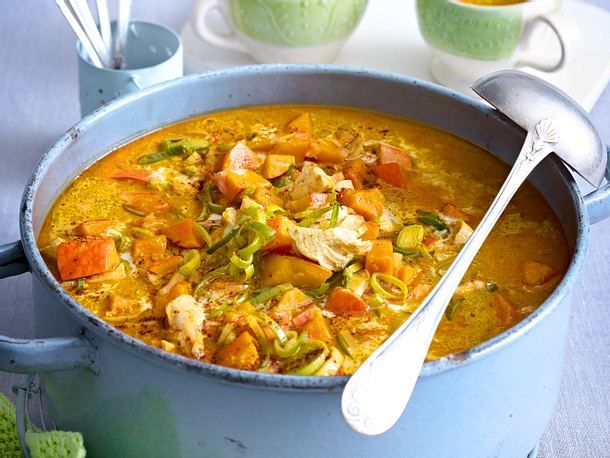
x=295 y=239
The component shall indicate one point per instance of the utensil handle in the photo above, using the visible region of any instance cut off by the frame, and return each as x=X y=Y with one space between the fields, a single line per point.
x=598 y=202
x=28 y=356
x=378 y=392
x=199 y=24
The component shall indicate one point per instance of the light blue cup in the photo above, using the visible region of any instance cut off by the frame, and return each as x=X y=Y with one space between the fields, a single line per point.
x=153 y=54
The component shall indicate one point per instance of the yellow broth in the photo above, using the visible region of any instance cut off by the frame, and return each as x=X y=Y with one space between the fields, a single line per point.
x=517 y=268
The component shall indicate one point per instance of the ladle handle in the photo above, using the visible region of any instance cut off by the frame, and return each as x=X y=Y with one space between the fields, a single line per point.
x=378 y=392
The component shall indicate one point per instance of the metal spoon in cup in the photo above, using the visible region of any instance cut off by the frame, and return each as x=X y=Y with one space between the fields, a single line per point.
x=378 y=392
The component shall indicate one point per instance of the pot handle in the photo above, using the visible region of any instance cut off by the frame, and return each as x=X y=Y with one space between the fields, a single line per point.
x=28 y=356
x=598 y=202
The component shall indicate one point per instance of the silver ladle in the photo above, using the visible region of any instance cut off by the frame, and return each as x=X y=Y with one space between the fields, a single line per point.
x=378 y=392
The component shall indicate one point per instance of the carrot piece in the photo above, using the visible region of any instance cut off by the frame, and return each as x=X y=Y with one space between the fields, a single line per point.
x=276 y=165
x=315 y=200
x=281 y=241
x=327 y=151
x=93 y=228
x=454 y=212
x=429 y=240
x=150 y=249
x=380 y=258
x=390 y=154
x=239 y=354
x=231 y=183
x=505 y=310
x=144 y=203
x=296 y=145
x=356 y=172
x=390 y=173
x=301 y=123
x=372 y=231
x=166 y=265
x=277 y=269
x=536 y=273
x=78 y=259
x=239 y=157
x=368 y=202
x=342 y=301
x=138 y=176
x=184 y=234
x=267 y=196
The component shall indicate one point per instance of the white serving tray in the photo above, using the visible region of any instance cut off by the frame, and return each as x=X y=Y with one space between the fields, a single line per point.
x=388 y=39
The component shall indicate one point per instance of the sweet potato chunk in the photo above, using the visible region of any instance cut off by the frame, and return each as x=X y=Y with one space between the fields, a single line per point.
x=93 y=228
x=239 y=157
x=266 y=196
x=356 y=172
x=277 y=269
x=372 y=231
x=184 y=234
x=368 y=203
x=507 y=314
x=314 y=200
x=342 y=301
x=390 y=173
x=239 y=354
x=381 y=257
x=327 y=151
x=536 y=273
x=313 y=322
x=78 y=259
x=388 y=154
x=231 y=183
x=150 y=249
x=296 y=145
x=281 y=241
x=290 y=301
x=301 y=123
x=144 y=203
x=166 y=265
x=276 y=165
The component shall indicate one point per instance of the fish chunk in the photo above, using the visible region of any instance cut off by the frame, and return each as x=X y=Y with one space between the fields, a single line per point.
x=186 y=316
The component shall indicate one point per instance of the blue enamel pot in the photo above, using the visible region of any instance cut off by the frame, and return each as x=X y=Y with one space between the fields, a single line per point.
x=132 y=400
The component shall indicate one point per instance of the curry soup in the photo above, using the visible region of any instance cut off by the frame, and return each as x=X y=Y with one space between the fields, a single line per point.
x=295 y=239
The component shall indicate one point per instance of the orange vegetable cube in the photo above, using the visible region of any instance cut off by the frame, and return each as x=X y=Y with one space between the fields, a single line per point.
x=137 y=176
x=276 y=165
x=390 y=173
x=295 y=145
x=179 y=289
x=94 y=228
x=327 y=151
x=290 y=301
x=342 y=301
x=231 y=183
x=356 y=172
x=277 y=269
x=144 y=203
x=317 y=327
x=315 y=200
x=301 y=123
x=372 y=231
x=239 y=354
x=239 y=157
x=150 y=249
x=166 y=265
x=381 y=257
x=281 y=241
x=390 y=154
x=78 y=259
x=536 y=273
x=365 y=202
x=267 y=196
x=184 y=234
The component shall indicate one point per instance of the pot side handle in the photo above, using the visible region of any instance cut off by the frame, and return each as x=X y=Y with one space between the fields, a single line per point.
x=28 y=356
x=598 y=202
